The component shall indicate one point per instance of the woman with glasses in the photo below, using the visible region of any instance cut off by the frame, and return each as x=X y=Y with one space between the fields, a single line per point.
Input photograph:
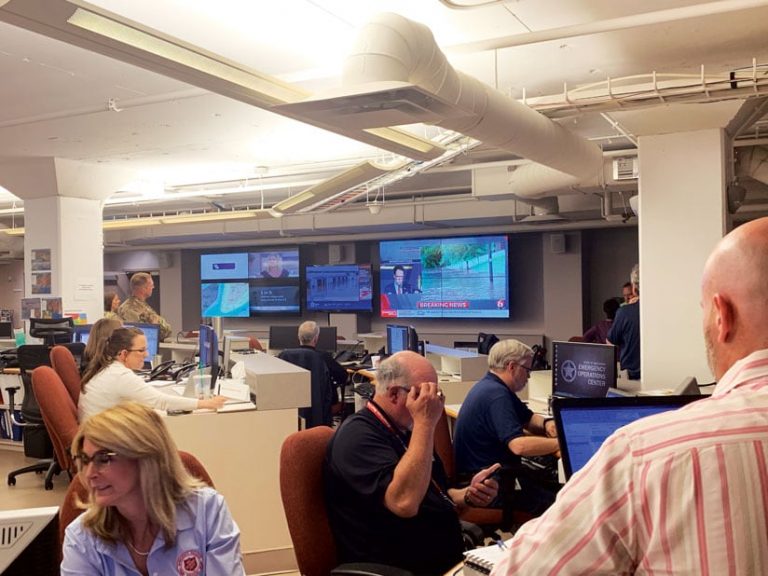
x=110 y=379
x=144 y=514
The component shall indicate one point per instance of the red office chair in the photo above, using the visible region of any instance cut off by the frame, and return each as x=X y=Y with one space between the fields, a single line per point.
x=65 y=365
x=60 y=417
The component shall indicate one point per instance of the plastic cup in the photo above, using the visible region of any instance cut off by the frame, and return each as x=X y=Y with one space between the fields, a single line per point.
x=375 y=361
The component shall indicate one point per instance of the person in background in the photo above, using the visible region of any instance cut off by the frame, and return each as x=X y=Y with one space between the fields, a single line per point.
x=681 y=492
x=398 y=284
x=136 y=309
x=273 y=267
x=495 y=426
x=110 y=379
x=111 y=304
x=598 y=334
x=626 y=293
x=625 y=330
x=324 y=387
x=145 y=514
x=97 y=339
x=385 y=488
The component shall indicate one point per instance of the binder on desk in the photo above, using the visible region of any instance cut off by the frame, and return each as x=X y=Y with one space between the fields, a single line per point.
x=480 y=561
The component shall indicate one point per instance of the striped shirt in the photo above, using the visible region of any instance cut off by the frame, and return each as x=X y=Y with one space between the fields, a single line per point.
x=684 y=492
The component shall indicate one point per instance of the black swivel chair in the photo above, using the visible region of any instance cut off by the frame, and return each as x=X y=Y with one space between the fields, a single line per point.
x=37 y=443
x=323 y=392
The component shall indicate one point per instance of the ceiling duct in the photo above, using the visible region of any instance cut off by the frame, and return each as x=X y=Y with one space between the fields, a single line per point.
x=753 y=163
x=397 y=75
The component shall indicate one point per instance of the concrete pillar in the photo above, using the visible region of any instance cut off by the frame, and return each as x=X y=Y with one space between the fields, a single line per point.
x=682 y=216
x=63 y=202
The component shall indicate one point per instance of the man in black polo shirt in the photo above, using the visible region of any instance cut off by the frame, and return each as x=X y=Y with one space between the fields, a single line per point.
x=386 y=490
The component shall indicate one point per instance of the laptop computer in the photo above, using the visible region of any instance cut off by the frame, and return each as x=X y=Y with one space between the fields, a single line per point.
x=583 y=424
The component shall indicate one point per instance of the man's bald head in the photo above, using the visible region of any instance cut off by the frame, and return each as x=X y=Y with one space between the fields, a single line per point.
x=733 y=296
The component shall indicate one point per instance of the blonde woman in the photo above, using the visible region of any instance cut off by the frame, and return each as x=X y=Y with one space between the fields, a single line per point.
x=145 y=514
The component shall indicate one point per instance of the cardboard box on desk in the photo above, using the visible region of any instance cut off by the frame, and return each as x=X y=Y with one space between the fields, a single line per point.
x=277 y=384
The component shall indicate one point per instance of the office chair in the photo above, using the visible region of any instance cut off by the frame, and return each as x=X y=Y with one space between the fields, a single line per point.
x=60 y=417
x=322 y=392
x=301 y=490
x=489 y=519
x=52 y=330
x=37 y=444
x=77 y=492
x=67 y=367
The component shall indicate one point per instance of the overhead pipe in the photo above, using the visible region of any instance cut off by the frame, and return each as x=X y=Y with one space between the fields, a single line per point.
x=393 y=48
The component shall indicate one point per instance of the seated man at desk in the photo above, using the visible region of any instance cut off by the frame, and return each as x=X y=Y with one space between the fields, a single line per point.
x=495 y=426
x=327 y=375
x=386 y=490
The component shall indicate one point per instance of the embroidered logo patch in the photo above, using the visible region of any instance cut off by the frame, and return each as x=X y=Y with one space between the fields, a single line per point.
x=189 y=563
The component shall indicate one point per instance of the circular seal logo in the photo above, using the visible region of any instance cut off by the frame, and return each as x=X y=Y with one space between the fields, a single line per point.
x=189 y=563
x=568 y=371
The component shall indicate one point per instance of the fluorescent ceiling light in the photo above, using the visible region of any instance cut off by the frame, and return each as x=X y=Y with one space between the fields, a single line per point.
x=14 y=231
x=343 y=182
x=101 y=31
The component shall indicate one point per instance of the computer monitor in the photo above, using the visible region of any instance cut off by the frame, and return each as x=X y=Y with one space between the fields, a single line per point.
x=326 y=340
x=152 y=334
x=397 y=338
x=581 y=370
x=6 y=330
x=583 y=424
x=283 y=337
x=81 y=333
x=30 y=541
x=485 y=342
x=209 y=351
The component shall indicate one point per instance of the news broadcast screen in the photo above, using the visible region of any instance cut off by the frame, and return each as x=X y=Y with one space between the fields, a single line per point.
x=336 y=288
x=463 y=277
x=250 y=283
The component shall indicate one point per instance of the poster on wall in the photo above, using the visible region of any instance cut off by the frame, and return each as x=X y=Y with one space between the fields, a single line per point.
x=41 y=259
x=41 y=283
x=51 y=308
x=30 y=308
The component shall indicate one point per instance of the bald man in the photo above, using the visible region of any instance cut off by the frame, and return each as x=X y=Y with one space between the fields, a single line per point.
x=683 y=492
x=386 y=490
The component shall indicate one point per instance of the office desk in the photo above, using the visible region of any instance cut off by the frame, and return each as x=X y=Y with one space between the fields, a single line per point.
x=178 y=352
x=241 y=451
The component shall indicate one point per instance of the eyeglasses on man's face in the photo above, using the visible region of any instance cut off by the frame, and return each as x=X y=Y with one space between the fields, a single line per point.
x=100 y=459
x=142 y=350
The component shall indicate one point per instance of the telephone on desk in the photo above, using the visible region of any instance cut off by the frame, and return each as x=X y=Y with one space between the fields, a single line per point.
x=169 y=370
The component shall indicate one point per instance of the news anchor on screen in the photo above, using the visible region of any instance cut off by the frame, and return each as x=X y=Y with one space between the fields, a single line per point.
x=398 y=284
x=273 y=266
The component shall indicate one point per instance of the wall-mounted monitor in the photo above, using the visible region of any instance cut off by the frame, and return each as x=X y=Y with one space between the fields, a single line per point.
x=339 y=288
x=581 y=370
x=252 y=282
x=463 y=277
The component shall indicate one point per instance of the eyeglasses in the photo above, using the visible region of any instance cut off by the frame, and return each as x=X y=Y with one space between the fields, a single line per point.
x=523 y=366
x=142 y=350
x=100 y=459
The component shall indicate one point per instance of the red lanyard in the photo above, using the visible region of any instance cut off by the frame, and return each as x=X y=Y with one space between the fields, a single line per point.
x=381 y=417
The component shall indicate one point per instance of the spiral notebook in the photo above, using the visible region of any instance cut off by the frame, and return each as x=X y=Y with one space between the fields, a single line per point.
x=481 y=561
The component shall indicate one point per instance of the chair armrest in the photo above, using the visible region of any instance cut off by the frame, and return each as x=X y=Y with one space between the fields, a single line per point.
x=368 y=569
x=12 y=404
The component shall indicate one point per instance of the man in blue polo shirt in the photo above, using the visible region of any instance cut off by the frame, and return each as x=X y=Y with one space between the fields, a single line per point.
x=495 y=426
x=625 y=330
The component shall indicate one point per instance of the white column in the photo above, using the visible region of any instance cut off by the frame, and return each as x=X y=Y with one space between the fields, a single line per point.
x=72 y=229
x=682 y=216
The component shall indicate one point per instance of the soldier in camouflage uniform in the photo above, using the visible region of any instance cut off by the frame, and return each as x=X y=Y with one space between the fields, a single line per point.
x=136 y=309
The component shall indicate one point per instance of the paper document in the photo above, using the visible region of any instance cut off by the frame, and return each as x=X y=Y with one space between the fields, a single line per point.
x=235 y=389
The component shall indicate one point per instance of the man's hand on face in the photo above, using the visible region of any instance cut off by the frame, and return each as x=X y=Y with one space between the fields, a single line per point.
x=425 y=403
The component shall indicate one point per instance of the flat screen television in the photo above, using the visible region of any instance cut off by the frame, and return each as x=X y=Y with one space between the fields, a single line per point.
x=253 y=282
x=463 y=277
x=581 y=370
x=339 y=288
